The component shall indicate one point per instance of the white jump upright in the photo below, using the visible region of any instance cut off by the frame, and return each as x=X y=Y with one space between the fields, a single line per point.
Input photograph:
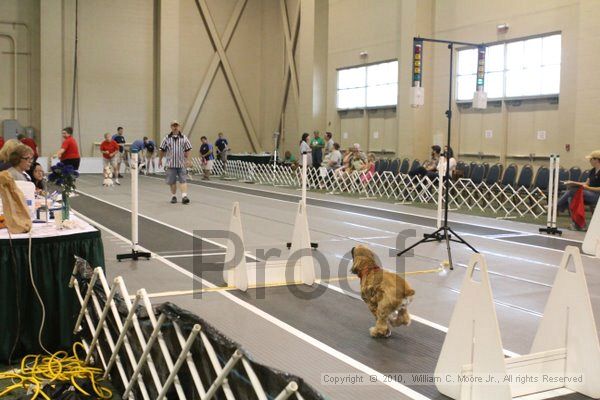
x=553 y=184
x=304 y=176
x=566 y=347
x=591 y=242
x=569 y=323
x=135 y=253
x=134 y=200
x=473 y=338
x=236 y=270
x=242 y=275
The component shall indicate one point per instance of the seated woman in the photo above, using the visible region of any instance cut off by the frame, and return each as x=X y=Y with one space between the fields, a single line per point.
x=591 y=187
x=442 y=163
x=334 y=158
x=368 y=169
x=36 y=173
x=9 y=146
x=429 y=167
x=288 y=158
x=20 y=161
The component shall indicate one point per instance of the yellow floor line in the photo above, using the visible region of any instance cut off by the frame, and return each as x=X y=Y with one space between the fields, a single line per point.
x=276 y=284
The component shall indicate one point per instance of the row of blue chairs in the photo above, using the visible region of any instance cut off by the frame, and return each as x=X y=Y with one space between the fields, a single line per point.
x=527 y=178
x=490 y=174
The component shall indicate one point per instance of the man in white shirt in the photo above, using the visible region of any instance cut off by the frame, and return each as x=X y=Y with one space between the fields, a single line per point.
x=328 y=142
x=335 y=157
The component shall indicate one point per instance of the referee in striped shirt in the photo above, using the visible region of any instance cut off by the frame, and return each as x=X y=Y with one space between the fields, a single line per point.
x=177 y=149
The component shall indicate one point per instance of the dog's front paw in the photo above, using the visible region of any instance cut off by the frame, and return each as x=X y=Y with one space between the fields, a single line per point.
x=404 y=317
x=378 y=333
x=400 y=317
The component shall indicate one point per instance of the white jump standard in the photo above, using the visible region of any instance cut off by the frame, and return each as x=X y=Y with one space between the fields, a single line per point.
x=243 y=275
x=135 y=254
x=553 y=183
x=591 y=242
x=565 y=352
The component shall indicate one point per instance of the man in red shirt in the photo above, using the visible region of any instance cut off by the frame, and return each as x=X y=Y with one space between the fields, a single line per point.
x=109 y=149
x=1 y=142
x=69 y=151
x=29 y=142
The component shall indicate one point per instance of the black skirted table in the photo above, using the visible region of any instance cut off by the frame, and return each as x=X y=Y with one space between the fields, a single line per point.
x=253 y=158
x=52 y=259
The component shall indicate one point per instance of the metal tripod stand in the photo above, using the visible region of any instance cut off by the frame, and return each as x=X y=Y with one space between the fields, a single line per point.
x=445 y=232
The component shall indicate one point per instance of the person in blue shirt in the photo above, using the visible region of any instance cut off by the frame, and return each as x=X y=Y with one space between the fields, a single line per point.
x=150 y=151
x=222 y=146
x=119 y=138
x=206 y=154
x=138 y=147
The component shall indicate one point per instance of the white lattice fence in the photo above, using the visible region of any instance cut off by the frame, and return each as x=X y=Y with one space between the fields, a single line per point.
x=464 y=193
x=145 y=362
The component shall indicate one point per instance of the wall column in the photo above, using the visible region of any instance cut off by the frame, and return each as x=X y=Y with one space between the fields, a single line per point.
x=51 y=51
x=168 y=67
x=414 y=125
x=312 y=65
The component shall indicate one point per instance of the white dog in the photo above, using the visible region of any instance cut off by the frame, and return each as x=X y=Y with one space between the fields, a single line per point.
x=107 y=176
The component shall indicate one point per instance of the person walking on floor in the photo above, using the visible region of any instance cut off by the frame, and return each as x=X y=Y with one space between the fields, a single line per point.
x=222 y=146
x=176 y=148
x=109 y=149
x=120 y=139
x=149 y=149
x=206 y=153
x=69 y=150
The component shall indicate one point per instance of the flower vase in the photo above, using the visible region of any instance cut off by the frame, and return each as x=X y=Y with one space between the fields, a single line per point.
x=65 y=206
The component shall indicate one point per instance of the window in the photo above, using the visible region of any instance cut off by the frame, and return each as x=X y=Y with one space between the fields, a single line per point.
x=373 y=85
x=514 y=69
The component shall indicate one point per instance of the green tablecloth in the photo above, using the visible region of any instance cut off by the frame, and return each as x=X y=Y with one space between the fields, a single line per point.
x=52 y=261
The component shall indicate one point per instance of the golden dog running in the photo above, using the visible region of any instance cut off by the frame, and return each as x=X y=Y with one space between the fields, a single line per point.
x=387 y=294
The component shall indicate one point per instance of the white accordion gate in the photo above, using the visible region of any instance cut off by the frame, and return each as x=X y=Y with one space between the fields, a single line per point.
x=131 y=354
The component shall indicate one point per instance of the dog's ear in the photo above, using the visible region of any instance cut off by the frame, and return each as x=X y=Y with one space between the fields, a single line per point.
x=363 y=251
x=358 y=264
x=352 y=252
x=408 y=291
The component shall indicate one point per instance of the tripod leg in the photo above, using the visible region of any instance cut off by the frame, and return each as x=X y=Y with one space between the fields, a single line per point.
x=463 y=241
x=447 y=236
x=426 y=238
x=412 y=247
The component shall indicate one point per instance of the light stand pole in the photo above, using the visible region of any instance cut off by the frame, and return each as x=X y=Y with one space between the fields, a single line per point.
x=445 y=232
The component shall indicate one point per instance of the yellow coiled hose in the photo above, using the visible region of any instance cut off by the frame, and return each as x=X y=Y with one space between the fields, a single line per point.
x=37 y=371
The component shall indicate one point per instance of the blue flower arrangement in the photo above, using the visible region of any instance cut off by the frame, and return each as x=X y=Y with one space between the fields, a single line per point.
x=64 y=176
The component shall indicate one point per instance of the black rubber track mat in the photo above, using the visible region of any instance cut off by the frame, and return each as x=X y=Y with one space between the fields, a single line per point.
x=338 y=320
x=551 y=242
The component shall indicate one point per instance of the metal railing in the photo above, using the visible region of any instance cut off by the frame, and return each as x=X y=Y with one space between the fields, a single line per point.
x=506 y=201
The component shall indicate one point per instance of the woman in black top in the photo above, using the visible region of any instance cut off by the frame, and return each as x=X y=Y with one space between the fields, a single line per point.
x=37 y=177
x=591 y=187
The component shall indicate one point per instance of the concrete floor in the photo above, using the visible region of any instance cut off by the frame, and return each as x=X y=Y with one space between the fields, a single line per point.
x=521 y=275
